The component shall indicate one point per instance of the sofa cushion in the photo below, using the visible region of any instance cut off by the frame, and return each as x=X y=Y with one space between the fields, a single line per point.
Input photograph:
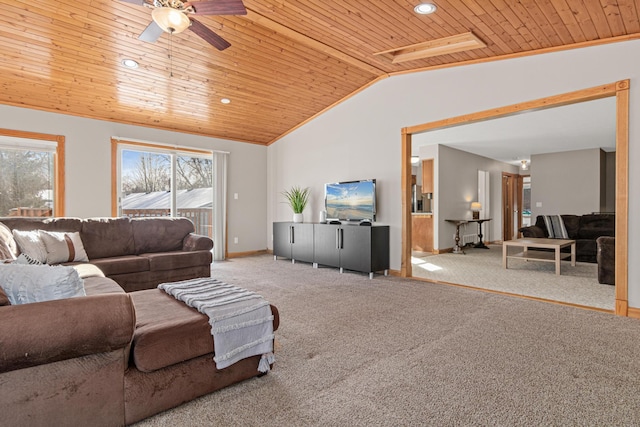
x=160 y=234
x=121 y=264
x=107 y=237
x=167 y=331
x=101 y=285
x=572 y=225
x=177 y=259
x=593 y=226
x=49 y=224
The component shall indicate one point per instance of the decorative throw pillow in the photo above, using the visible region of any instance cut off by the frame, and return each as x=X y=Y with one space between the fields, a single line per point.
x=8 y=247
x=4 y=299
x=31 y=244
x=26 y=259
x=63 y=247
x=555 y=227
x=35 y=283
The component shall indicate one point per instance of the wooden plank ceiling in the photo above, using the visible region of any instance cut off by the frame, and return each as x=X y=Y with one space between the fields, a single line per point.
x=288 y=60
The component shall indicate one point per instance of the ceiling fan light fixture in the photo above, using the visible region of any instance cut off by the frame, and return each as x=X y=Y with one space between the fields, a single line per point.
x=170 y=20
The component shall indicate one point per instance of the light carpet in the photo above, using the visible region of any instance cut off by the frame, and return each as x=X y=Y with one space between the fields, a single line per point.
x=402 y=352
x=482 y=268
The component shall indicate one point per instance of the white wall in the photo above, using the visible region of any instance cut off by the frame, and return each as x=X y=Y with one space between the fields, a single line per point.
x=566 y=183
x=360 y=138
x=88 y=167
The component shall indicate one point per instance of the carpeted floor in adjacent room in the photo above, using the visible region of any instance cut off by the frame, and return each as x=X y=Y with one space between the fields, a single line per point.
x=482 y=268
x=401 y=352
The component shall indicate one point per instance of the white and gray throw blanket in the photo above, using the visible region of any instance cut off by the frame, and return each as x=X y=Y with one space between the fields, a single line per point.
x=241 y=320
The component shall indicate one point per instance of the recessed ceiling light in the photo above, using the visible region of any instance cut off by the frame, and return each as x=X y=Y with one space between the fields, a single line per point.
x=225 y=100
x=425 y=8
x=129 y=63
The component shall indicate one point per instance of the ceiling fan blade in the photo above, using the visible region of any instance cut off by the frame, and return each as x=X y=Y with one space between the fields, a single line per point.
x=218 y=7
x=209 y=36
x=138 y=2
x=151 y=33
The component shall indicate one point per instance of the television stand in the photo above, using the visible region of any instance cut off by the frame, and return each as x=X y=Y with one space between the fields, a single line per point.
x=345 y=246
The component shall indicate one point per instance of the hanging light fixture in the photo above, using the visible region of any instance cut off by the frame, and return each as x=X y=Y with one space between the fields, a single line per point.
x=524 y=165
x=171 y=20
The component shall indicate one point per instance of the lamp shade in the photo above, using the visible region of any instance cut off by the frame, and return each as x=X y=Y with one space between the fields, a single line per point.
x=170 y=20
x=476 y=206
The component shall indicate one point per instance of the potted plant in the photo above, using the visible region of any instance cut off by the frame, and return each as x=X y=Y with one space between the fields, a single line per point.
x=297 y=199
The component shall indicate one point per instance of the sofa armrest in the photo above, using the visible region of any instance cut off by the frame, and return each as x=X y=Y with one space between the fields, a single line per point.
x=44 y=332
x=197 y=242
x=532 y=231
x=606 y=259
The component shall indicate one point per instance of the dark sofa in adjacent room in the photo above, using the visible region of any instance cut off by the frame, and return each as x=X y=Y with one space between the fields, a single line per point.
x=594 y=236
x=584 y=229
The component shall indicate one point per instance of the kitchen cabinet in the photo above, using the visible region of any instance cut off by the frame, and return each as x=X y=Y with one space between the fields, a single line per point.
x=427 y=176
x=422 y=232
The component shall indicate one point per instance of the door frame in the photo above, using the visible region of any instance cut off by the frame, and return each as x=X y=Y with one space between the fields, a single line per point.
x=509 y=202
x=620 y=90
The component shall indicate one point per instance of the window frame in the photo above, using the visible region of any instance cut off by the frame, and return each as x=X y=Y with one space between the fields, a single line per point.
x=118 y=144
x=59 y=208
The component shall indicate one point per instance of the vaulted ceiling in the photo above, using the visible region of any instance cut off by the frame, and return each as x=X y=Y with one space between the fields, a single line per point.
x=288 y=60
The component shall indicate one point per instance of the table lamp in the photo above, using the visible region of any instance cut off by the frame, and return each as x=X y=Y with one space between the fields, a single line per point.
x=476 y=207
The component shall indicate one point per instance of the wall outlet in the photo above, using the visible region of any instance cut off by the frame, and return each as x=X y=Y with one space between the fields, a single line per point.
x=235 y=240
x=538 y=204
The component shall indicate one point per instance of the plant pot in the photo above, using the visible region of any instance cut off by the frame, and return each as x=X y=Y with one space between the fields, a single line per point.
x=298 y=217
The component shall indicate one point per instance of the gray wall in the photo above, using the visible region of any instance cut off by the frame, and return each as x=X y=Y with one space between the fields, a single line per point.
x=88 y=167
x=458 y=178
x=566 y=183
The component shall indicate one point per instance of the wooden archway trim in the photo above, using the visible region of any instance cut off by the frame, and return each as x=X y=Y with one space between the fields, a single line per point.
x=620 y=90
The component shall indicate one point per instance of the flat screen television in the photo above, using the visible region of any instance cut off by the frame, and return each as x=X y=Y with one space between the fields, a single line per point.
x=351 y=200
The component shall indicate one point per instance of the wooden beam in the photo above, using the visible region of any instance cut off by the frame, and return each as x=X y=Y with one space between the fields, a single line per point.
x=443 y=46
x=308 y=41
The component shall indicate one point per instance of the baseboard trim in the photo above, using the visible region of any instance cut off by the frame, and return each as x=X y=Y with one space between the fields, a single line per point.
x=247 y=253
x=633 y=312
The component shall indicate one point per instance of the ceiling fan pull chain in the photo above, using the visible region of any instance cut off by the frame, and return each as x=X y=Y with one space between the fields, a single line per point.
x=170 y=54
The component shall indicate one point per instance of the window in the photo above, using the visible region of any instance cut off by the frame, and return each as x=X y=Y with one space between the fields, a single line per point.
x=31 y=174
x=159 y=182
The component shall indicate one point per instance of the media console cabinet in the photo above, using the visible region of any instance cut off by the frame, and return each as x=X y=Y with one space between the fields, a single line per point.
x=353 y=247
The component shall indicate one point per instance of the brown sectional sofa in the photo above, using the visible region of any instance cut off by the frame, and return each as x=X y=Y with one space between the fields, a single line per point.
x=110 y=358
x=137 y=253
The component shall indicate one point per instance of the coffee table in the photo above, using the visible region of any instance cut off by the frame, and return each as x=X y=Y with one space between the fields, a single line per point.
x=525 y=244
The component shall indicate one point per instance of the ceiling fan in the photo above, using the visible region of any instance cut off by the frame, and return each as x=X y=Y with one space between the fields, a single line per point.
x=172 y=16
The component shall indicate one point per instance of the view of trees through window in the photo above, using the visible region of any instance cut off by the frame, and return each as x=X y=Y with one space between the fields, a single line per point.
x=145 y=172
x=148 y=190
x=26 y=182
